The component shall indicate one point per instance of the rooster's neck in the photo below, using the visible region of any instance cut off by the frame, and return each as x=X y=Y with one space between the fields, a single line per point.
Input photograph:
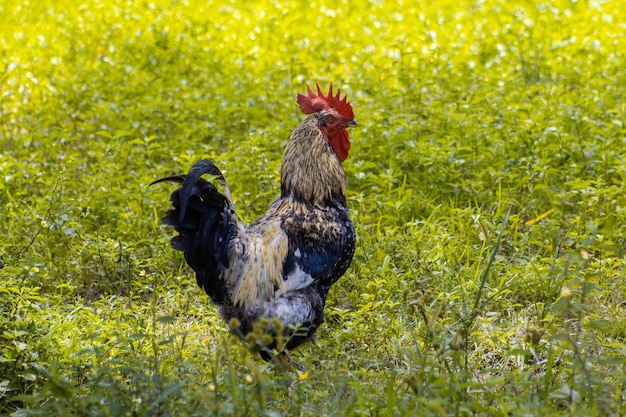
x=311 y=170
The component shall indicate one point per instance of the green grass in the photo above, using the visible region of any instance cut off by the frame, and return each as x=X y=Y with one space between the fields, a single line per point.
x=486 y=182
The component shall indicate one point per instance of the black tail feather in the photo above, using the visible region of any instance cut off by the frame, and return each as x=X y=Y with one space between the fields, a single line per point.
x=205 y=221
x=193 y=184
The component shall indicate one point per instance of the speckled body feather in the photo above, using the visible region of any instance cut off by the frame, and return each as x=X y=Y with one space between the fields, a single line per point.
x=282 y=265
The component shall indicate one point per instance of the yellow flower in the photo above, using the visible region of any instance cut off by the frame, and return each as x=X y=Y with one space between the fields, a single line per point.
x=44 y=224
x=585 y=255
x=565 y=292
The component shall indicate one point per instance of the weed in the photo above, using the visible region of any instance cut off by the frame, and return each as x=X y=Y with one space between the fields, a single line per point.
x=485 y=181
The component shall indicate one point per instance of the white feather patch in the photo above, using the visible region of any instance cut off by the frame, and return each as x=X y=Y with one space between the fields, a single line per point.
x=296 y=280
x=292 y=311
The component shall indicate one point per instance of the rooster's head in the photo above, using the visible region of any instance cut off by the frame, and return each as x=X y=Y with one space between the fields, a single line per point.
x=335 y=116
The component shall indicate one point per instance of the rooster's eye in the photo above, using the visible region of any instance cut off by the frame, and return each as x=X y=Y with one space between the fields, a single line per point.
x=330 y=119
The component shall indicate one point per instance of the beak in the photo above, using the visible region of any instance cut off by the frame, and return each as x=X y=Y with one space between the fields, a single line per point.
x=350 y=123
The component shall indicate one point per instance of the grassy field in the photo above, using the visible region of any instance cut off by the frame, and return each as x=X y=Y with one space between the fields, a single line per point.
x=486 y=182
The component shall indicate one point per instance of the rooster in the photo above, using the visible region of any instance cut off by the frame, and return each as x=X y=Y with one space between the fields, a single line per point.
x=271 y=278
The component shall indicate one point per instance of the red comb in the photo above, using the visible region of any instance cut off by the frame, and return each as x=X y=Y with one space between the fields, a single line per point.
x=317 y=102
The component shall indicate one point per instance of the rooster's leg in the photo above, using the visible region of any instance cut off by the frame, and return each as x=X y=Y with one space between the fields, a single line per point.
x=283 y=361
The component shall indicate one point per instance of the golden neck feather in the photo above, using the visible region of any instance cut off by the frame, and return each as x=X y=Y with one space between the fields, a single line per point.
x=311 y=170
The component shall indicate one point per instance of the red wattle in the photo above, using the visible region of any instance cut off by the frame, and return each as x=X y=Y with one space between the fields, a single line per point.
x=340 y=144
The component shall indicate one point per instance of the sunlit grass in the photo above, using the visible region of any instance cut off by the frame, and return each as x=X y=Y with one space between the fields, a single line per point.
x=470 y=114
